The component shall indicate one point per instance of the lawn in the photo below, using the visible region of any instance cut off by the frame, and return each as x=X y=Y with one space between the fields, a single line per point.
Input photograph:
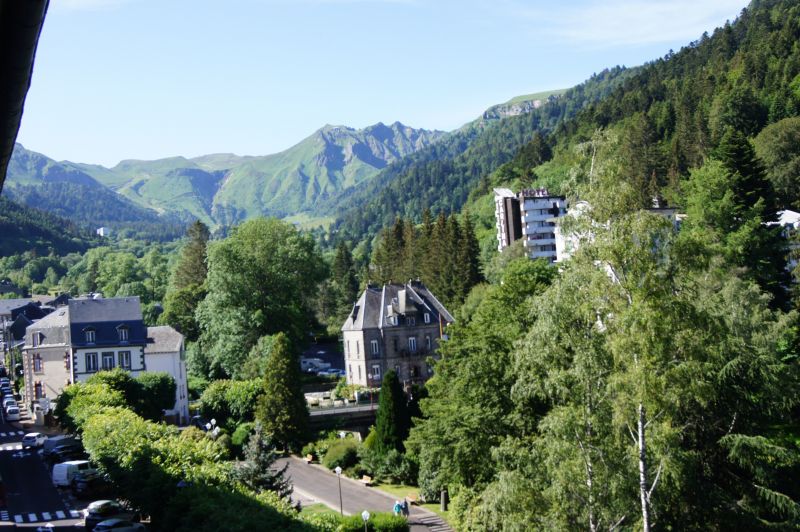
x=400 y=491
x=317 y=508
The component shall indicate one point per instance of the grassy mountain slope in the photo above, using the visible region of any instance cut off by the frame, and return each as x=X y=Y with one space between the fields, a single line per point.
x=66 y=190
x=333 y=159
x=24 y=229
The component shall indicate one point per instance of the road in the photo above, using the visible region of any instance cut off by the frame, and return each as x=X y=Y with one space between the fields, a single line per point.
x=315 y=483
x=328 y=352
x=31 y=499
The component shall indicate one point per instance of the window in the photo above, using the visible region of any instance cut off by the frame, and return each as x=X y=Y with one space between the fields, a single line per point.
x=359 y=372
x=358 y=349
x=376 y=371
x=348 y=347
x=350 y=371
x=108 y=360
x=410 y=321
x=91 y=362
x=125 y=359
x=397 y=370
x=412 y=344
x=394 y=344
x=37 y=363
x=122 y=331
x=375 y=349
x=414 y=371
x=37 y=339
x=38 y=390
x=428 y=342
x=427 y=317
x=90 y=336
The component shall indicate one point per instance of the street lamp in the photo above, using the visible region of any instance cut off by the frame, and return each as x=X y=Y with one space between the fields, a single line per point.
x=339 y=476
x=365 y=517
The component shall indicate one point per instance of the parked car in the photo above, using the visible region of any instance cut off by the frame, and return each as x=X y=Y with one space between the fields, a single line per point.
x=91 y=486
x=9 y=401
x=3 y=372
x=104 y=510
x=4 y=380
x=55 y=442
x=313 y=365
x=12 y=413
x=7 y=391
x=33 y=439
x=66 y=454
x=64 y=472
x=118 y=525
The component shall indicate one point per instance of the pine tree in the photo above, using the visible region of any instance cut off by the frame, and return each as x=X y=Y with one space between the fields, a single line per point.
x=749 y=181
x=192 y=267
x=282 y=410
x=344 y=276
x=469 y=256
x=258 y=471
x=392 y=422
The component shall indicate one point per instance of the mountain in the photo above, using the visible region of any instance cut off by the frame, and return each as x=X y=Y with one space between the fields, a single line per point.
x=224 y=189
x=66 y=190
x=26 y=229
x=333 y=159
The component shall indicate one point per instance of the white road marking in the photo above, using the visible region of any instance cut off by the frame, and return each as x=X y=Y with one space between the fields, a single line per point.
x=18 y=518
x=60 y=514
x=46 y=516
x=32 y=518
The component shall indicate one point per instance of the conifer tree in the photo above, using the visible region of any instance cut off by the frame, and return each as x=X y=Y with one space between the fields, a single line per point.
x=192 y=267
x=282 y=410
x=344 y=276
x=258 y=471
x=392 y=422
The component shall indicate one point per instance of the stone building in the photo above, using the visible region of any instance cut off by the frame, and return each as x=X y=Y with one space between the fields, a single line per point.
x=393 y=327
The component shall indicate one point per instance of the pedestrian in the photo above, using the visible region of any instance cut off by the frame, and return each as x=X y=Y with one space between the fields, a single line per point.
x=405 y=508
x=397 y=507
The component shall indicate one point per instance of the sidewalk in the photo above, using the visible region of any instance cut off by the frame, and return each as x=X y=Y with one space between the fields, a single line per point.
x=314 y=482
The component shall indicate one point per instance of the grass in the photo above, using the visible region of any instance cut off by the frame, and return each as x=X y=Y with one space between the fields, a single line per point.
x=401 y=491
x=317 y=508
x=536 y=96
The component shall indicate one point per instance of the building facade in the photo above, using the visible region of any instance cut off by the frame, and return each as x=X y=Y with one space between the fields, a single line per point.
x=94 y=334
x=393 y=327
x=531 y=216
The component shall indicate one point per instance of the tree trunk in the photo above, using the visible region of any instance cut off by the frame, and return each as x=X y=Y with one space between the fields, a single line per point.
x=643 y=472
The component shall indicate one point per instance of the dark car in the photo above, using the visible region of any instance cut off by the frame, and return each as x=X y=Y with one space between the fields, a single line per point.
x=90 y=486
x=100 y=511
x=66 y=453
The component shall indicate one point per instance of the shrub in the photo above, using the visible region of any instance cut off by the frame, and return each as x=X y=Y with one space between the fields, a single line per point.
x=231 y=402
x=379 y=522
x=393 y=466
x=242 y=433
x=309 y=449
x=343 y=453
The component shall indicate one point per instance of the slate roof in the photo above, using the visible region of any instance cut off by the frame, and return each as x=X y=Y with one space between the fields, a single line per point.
x=54 y=327
x=162 y=339
x=7 y=305
x=99 y=310
x=376 y=304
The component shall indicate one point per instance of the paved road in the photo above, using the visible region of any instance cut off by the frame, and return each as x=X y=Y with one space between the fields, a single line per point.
x=31 y=499
x=313 y=482
x=328 y=352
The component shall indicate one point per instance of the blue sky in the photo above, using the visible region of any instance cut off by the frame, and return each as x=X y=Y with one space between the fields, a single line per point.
x=145 y=79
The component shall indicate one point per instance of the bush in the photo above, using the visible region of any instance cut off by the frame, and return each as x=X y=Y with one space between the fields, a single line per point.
x=394 y=466
x=309 y=449
x=242 y=433
x=379 y=522
x=231 y=402
x=343 y=453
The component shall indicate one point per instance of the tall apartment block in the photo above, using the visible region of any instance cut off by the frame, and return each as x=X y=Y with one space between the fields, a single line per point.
x=530 y=216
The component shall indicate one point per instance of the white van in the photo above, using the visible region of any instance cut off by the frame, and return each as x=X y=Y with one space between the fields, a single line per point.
x=313 y=365
x=64 y=472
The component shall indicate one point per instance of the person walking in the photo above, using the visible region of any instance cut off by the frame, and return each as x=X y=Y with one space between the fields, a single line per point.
x=404 y=508
x=397 y=508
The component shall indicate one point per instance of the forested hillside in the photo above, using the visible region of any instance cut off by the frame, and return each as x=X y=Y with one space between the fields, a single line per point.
x=441 y=176
x=26 y=229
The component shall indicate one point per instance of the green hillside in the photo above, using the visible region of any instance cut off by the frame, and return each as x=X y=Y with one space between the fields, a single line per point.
x=441 y=176
x=27 y=229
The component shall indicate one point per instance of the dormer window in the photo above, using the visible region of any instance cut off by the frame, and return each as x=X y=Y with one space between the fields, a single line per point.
x=427 y=317
x=90 y=335
x=122 y=331
x=37 y=339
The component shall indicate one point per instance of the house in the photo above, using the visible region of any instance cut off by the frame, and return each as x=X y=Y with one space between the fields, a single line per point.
x=164 y=351
x=397 y=326
x=530 y=216
x=92 y=334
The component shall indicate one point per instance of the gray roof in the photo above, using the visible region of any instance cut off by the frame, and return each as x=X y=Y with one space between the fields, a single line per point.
x=7 y=305
x=102 y=310
x=163 y=339
x=375 y=304
x=54 y=327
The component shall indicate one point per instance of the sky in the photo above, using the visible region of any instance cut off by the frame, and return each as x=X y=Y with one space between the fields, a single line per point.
x=147 y=79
